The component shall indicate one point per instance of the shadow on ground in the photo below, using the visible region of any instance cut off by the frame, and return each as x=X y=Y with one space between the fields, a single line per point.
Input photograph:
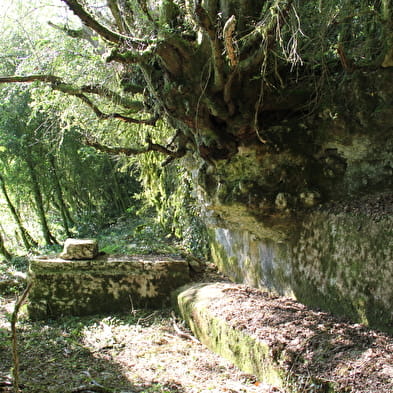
x=75 y=355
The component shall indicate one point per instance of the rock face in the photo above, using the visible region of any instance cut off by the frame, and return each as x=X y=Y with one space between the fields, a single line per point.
x=80 y=249
x=269 y=209
x=101 y=285
x=337 y=261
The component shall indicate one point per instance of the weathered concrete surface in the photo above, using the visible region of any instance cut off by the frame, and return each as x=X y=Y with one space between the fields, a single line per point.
x=80 y=249
x=105 y=284
x=285 y=343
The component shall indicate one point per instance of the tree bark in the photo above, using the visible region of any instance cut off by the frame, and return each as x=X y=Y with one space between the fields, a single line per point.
x=3 y=250
x=387 y=14
x=28 y=241
x=39 y=204
x=65 y=214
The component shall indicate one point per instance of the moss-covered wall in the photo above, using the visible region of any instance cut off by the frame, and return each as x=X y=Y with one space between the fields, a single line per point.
x=105 y=284
x=338 y=261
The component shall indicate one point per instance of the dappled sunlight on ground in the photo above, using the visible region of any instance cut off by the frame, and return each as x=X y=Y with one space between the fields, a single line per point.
x=138 y=352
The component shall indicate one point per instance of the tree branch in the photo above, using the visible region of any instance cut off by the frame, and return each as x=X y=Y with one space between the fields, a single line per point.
x=58 y=84
x=101 y=115
x=143 y=5
x=206 y=24
x=83 y=33
x=113 y=6
x=228 y=31
x=14 y=320
x=131 y=57
x=102 y=92
x=131 y=152
x=101 y=30
x=264 y=35
x=30 y=78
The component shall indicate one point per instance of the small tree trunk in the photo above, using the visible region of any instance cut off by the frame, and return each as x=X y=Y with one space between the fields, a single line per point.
x=49 y=238
x=7 y=255
x=119 y=199
x=65 y=214
x=387 y=17
x=15 y=355
x=28 y=241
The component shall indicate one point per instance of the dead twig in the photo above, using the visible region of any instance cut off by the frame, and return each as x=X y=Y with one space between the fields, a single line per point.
x=14 y=320
x=180 y=333
x=147 y=318
x=92 y=387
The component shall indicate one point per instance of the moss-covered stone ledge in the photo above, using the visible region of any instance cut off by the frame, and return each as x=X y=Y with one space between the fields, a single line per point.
x=105 y=284
x=286 y=344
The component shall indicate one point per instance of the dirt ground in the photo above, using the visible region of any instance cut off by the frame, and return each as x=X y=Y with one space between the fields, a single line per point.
x=142 y=351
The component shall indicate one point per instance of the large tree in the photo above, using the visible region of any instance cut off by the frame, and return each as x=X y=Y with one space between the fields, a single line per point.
x=260 y=80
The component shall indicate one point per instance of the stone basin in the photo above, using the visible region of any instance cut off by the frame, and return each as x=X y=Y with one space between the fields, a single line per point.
x=106 y=284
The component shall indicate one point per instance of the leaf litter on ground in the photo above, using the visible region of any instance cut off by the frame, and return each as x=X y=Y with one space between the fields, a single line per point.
x=139 y=352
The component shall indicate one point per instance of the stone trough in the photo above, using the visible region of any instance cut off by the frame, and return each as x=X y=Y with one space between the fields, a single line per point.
x=285 y=344
x=69 y=285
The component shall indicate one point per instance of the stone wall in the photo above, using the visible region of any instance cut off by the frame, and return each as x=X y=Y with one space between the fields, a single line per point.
x=340 y=261
x=109 y=283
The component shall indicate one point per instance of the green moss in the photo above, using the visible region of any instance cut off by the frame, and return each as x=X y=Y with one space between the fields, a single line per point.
x=249 y=354
x=239 y=346
x=108 y=284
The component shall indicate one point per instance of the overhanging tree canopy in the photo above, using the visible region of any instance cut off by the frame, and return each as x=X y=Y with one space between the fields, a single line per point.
x=227 y=74
x=218 y=69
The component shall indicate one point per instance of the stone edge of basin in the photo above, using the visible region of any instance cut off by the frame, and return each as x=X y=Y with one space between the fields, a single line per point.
x=251 y=354
x=56 y=264
x=192 y=302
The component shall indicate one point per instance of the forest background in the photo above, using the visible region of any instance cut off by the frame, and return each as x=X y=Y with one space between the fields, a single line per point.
x=54 y=184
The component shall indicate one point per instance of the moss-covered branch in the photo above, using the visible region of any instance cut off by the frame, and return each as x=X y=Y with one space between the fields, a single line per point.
x=102 y=115
x=127 y=151
x=208 y=27
x=58 y=84
x=101 y=30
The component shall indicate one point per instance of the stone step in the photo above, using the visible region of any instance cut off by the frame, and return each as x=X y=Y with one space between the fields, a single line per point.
x=286 y=344
x=107 y=284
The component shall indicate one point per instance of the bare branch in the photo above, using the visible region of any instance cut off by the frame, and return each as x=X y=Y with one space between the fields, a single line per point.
x=101 y=30
x=228 y=32
x=30 y=78
x=14 y=320
x=83 y=33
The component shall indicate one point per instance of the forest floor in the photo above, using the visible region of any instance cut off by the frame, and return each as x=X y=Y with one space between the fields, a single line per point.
x=142 y=351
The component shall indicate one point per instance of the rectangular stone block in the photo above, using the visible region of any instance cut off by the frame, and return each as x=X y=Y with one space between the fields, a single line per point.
x=80 y=249
x=106 y=284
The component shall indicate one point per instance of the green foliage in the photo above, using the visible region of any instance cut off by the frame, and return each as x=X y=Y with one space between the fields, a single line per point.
x=133 y=234
x=81 y=188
